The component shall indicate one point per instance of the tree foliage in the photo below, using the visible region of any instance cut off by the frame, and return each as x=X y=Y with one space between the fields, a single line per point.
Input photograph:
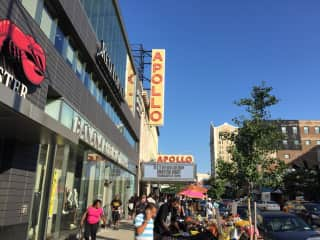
x=217 y=187
x=303 y=182
x=255 y=144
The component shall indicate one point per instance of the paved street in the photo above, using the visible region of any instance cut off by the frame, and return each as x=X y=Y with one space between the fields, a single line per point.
x=126 y=231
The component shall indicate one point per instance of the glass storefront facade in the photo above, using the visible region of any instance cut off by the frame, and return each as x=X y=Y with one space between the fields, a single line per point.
x=68 y=179
x=55 y=169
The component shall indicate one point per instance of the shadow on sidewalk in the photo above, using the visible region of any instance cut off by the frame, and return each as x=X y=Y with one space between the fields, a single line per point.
x=126 y=226
x=106 y=238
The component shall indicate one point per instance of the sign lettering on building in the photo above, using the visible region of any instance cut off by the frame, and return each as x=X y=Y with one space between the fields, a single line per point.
x=108 y=68
x=26 y=53
x=168 y=172
x=156 y=113
x=130 y=86
x=94 y=138
x=175 y=158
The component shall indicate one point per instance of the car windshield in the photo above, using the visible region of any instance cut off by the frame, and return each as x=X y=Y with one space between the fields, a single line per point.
x=285 y=224
x=243 y=213
x=313 y=207
x=223 y=207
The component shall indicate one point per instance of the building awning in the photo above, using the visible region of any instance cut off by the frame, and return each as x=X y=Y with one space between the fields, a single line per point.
x=22 y=120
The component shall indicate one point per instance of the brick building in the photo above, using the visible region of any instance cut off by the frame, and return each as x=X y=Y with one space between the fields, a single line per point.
x=301 y=146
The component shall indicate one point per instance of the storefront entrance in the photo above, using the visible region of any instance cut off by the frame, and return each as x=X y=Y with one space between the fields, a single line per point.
x=68 y=179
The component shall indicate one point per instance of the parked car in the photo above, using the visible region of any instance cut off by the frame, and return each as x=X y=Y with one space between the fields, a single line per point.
x=224 y=210
x=310 y=213
x=268 y=206
x=294 y=206
x=277 y=225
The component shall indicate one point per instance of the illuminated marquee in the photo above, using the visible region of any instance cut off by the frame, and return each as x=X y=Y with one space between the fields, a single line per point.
x=156 y=113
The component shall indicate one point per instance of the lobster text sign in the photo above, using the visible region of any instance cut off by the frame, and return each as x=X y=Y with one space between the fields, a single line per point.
x=23 y=54
x=9 y=81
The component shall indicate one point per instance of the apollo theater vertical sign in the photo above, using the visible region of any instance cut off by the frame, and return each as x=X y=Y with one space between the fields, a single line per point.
x=156 y=112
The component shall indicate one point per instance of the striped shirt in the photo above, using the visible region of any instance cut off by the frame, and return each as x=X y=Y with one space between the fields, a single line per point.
x=148 y=231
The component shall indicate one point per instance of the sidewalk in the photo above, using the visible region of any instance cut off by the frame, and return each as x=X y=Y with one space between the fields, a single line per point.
x=126 y=232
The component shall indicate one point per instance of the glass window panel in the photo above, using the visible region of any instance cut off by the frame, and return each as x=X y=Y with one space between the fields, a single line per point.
x=66 y=116
x=69 y=54
x=79 y=69
x=87 y=80
x=294 y=130
x=52 y=108
x=31 y=6
x=104 y=20
x=59 y=40
x=47 y=24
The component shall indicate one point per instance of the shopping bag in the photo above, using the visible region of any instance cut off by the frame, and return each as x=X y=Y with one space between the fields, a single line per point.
x=80 y=234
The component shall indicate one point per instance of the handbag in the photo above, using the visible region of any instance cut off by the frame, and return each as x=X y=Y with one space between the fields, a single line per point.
x=80 y=234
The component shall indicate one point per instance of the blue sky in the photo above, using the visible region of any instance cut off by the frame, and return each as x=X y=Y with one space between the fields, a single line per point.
x=217 y=50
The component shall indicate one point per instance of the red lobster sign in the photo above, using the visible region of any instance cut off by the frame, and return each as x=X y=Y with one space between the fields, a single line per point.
x=25 y=49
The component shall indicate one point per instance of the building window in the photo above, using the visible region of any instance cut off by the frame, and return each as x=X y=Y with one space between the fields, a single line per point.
x=69 y=54
x=66 y=117
x=48 y=25
x=318 y=142
x=296 y=142
x=285 y=142
x=308 y=142
x=294 y=130
x=317 y=130
x=306 y=130
x=33 y=7
x=286 y=156
x=59 y=40
x=284 y=130
x=63 y=45
x=79 y=69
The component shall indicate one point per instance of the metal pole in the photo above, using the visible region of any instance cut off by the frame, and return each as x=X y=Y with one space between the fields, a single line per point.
x=255 y=221
x=250 y=218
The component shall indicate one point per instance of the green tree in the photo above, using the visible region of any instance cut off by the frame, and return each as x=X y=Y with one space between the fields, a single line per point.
x=217 y=187
x=302 y=181
x=256 y=142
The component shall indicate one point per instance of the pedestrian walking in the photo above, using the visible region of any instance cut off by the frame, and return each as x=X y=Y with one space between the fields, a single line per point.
x=116 y=209
x=164 y=219
x=131 y=207
x=144 y=223
x=91 y=219
x=209 y=209
x=151 y=199
x=141 y=205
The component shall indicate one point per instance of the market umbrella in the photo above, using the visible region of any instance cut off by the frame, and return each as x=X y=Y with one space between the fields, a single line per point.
x=192 y=194
x=196 y=188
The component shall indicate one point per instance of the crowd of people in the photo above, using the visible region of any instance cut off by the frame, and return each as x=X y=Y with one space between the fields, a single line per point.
x=168 y=217
x=159 y=218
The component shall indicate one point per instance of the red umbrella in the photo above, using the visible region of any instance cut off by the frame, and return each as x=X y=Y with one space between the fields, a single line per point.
x=192 y=194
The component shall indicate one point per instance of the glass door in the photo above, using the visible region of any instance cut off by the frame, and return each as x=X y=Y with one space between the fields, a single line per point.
x=38 y=216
